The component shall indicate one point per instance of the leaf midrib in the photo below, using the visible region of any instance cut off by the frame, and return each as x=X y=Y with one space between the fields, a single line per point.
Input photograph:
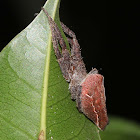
x=46 y=79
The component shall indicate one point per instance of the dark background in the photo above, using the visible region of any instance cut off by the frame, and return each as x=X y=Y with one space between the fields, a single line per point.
x=108 y=33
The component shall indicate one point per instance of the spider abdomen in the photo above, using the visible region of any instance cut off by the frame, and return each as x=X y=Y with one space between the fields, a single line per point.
x=92 y=100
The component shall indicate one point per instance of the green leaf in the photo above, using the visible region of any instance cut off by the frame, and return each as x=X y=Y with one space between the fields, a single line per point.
x=34 y=96
x=121 y=129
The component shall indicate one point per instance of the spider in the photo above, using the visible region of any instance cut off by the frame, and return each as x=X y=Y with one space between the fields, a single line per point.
x=87 y=89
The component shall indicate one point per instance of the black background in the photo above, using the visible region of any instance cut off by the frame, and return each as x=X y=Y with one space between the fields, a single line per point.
x=108 y=33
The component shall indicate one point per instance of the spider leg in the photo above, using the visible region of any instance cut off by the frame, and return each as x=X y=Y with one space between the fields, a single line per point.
x=64 y=57
x=75 y=47
x=76 y=58
x=77 y=65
